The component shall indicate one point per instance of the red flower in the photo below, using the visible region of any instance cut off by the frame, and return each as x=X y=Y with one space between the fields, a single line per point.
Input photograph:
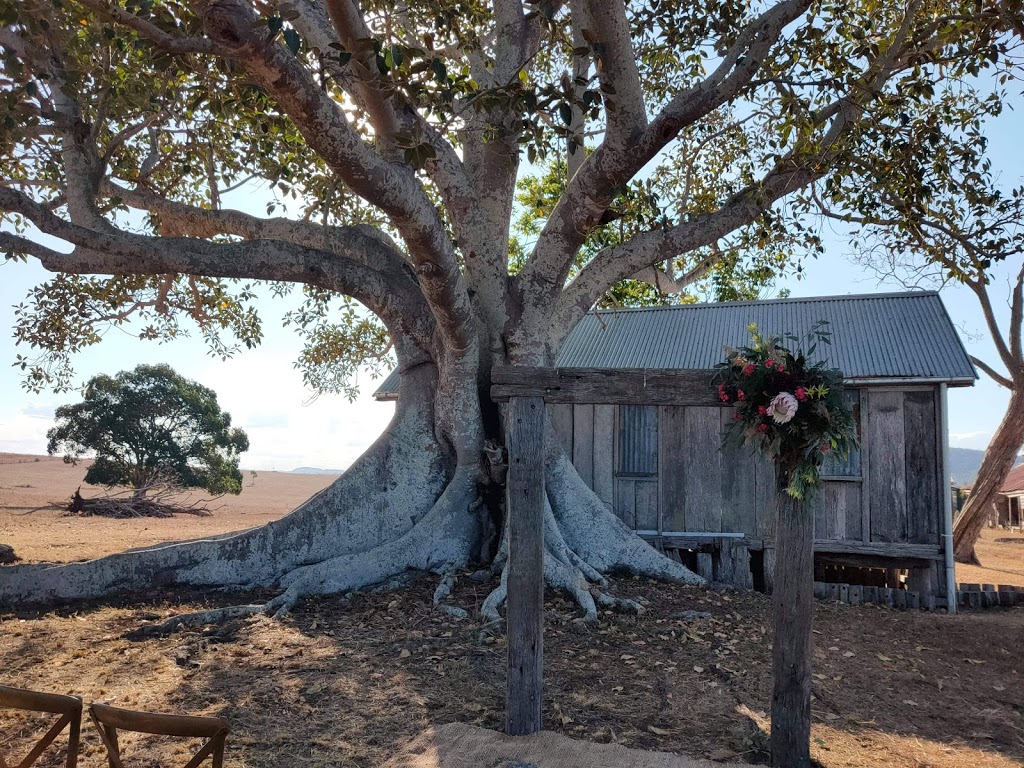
x=762 y=428
x=738 y=416
x=826 y=448
x=769 y=363
x=748 y=369
x=801 y=393
x=723 y=397
x=762 y=410
x=740 y=395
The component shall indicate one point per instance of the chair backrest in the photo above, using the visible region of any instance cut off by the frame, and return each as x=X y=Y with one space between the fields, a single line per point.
x=109 y=720
x=68 y=707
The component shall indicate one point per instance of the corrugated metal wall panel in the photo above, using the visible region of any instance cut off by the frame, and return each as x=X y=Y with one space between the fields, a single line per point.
x=638 y=440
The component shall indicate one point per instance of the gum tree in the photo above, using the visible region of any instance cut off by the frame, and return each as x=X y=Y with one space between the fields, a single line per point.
x=150 y=427
x=393 y=137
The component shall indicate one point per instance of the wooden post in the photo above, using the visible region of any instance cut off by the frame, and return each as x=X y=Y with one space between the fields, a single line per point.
x=792 y=607
x=525 y=616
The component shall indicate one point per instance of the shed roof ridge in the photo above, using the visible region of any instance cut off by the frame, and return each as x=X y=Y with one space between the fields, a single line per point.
x=914 y=294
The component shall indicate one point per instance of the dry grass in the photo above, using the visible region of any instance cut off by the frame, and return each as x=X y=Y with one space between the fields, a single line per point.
x=346 y=683
x=1002 y=559
x=30 y=482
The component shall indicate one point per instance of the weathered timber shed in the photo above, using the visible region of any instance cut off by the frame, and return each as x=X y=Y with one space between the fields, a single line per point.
x=882 y=517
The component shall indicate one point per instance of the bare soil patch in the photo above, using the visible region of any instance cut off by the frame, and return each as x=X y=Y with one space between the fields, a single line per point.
x=347 y=683
x=1002 y=559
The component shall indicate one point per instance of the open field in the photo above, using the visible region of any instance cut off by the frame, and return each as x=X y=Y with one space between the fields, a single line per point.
x=30 y=482
x=345 y=682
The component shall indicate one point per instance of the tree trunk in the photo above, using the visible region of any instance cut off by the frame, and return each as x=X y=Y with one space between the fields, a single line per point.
x=792 y=608
x=414 y=502
x=995 y=466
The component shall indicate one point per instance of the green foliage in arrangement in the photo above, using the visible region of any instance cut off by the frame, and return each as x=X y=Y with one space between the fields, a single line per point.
x=787 y=407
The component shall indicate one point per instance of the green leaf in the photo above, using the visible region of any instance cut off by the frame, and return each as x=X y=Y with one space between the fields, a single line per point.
x=292 y=40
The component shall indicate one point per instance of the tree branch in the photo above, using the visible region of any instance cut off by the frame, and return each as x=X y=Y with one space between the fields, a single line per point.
x=980 y=288
x=997 y=377
x=392 y=188
x=612 y=45
x=354 y=35
x=589 y=193
x=163 y=40
x=399 y=305
x=1017 y=319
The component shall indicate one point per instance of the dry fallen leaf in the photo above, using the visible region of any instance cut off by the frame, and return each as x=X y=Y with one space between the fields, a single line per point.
x=404 y=654
x=657 y=731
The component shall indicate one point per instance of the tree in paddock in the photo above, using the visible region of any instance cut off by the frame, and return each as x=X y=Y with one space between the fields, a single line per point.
x=151 y=427
x=388 y=142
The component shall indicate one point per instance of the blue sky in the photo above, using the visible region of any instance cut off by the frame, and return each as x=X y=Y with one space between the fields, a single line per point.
x=289 y=427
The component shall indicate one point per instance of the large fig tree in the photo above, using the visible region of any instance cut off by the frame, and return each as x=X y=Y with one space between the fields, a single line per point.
x=386 y=140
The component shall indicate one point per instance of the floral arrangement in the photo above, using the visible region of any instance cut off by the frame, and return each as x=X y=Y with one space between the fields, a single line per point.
x=792 y=410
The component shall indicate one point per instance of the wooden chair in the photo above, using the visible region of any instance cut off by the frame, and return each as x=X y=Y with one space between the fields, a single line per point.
x=109 y=719
x=68 y=707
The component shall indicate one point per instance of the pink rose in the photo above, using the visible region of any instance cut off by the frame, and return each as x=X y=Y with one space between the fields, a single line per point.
x=762 y=410
x=740 y=395
x=769 y=363
x=801 y=394
x=738 y=416
x=826 y=448
x=762 y=428
x=748 y=369
x=782 y=408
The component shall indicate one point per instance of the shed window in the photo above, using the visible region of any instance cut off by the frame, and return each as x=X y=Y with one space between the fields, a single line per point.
x=638 y=440
x=833 y=466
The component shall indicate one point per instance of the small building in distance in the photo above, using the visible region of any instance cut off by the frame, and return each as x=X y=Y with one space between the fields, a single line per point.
x=1009 y=503
x=881 y=517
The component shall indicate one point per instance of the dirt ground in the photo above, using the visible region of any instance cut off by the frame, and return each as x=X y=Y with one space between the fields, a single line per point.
x=30 y=482
x=1002 y=559
x=346 y=682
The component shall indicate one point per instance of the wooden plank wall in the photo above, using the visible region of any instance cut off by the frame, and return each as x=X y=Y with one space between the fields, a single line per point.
x=703 y=486
x=904 y=490
x=700 y=487
x=587 y=434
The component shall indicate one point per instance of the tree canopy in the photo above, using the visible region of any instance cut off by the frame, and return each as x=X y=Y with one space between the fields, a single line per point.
x=389 y=141
x=151 y=426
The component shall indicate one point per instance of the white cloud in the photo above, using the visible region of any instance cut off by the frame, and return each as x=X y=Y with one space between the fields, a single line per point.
x=970 y=435
x=23 y=433
x=39 y=411
x=287 y=425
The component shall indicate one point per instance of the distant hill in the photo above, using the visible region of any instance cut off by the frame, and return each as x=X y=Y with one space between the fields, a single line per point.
x=316 y=471
x=964 y=464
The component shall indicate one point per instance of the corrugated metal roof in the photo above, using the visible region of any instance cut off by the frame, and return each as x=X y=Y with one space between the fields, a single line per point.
x=877 y=336
x=1014 y=483
x=903 y=335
